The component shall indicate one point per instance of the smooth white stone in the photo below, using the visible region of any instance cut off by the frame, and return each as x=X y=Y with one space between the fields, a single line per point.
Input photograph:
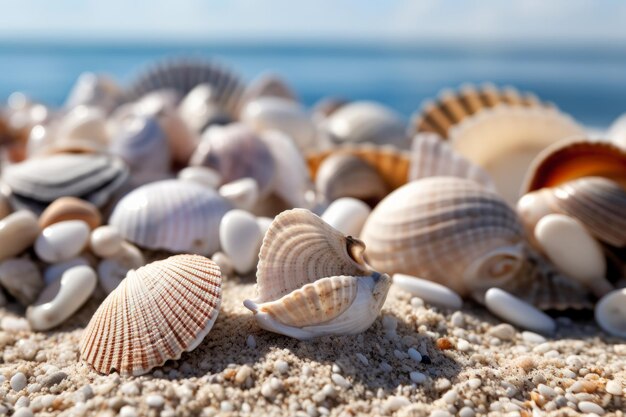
x=62 y=241
x=347 y=215
x=55 y=271
x=241 y=238
x=610 y=312
x=18 y=381
x=429 y=291
x=264 y=224
x=242 y=193
x=105 y=241
x=113 y=270
x=201 y=175
x=223 y=261
x=518 y=312
x=63 y=298
x=573 y=250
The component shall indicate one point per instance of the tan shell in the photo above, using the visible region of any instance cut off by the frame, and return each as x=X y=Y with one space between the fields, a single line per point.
x=391 y=163
x=70 y=208
x=452 y=107
x=156 y=313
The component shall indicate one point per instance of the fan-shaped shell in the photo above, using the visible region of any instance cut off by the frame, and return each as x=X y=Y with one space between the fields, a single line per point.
x=37 y=182
x=452 y=107
x=156 y=313
x=236 y=152
x=178 y=216
x=183 y=75
x=367 y=122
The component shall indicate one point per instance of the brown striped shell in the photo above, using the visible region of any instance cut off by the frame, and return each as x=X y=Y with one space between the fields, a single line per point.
x=452 y=107
x=156 y=313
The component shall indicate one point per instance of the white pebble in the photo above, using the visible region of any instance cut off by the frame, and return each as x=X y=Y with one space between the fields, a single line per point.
x=474 y=383
x=347 y=215
x=62 y=241
x=440 y=413
x=415 y=355
x=417 y=302
x=23 y=412
x=242 y=193
x=395 y=402
x=251 y=342
x=264 y=224
x=457 y=319
x=429 y=291
x=390 y=323
x=417 y=377
x=463 y=345
x=240 y=239
x=531 y=337
x=105 y=241
x=450 y=397
x=503 y=331
x=589 y=407
x=18 y=382
x=610 y=312
x=467 y=412
x=223 y=261
x=340 y=381
x=21 y=402
x=518 y=312
x=14 y=324
x=546 y=391
x=281 y=366
x=128 y=411
x=614 y=387
x=155 y=401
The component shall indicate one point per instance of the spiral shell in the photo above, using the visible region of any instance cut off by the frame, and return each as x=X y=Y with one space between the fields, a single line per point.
x=174 y=305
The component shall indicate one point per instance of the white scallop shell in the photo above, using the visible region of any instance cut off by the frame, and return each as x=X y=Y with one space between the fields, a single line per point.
x=178 y=216
x=174 y=305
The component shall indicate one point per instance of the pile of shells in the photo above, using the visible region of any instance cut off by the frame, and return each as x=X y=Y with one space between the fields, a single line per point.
x=488 y=193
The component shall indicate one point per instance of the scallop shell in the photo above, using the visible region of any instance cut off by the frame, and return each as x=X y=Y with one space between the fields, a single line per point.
x=177 y=216
x=456 y=232
x=97 y=90
x=183 y=75
x=392 y=164
x=267 y=85
x=452 y=107
x=312 y=280
x=175 y=302
x=236 y=152
x=37 y=182
x=200 y=109
x=367 y=122
x=504 y=141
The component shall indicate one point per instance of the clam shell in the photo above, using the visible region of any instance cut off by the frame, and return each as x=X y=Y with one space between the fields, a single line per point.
x=236 y=152
x=504 y=141
x=183 y=75
x=452 y=107
x=37 y=182
x=174 y=305
x=367 y=122
x=392 y=164
x=177 y=216
x=199 y=109
x=267 y=85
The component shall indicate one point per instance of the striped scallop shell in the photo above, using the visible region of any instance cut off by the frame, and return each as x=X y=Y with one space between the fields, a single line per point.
x=37 y=182
x=455 y=232
x=452 y=107
x=392 y=164
x=183 y=75
x=367 y=122
x=177 y=216
x=156 y=313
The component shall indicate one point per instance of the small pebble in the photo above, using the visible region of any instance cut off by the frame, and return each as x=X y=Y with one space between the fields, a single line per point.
x=589 y=407
x=240 y=239
x=614 y=387
x=340 y=381
x=281 y=366
x=243 y=374
x=450 y=397
x=155 y=401
x=18 y=381
x=512 y=309
x=463 y=345
x=23 y=412
x=347 y=215
x=457 y=319
x=429 y=291
x=417 y=377
x=532 y=337
x=128 y=411
x=14 y=324
x=394 y=403
x=467 y=412
x=503 y=331
x=440 y=413
x=54 y=379
x=415 y=355
x=251 y=342
x=474 y=383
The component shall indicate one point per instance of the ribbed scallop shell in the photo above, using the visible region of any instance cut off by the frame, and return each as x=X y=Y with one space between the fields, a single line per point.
x=504 y=141
x=367 y=122
x=183 y=75
x=236 y=152
x=178 y=216
x=37 y=182
x=156 y=313
x=300 y=248
x=571 y=159
x=452 y=107
x=433 y=157
x=392 y=164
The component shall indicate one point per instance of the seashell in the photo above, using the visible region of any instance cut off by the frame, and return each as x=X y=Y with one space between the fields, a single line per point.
x=183 y=75
x=95 y=90
x=201 y=175
x=505 y=140
x=199 y=109
x=452 y=107
x=37 y=182
x=325 y=107
x=83 y=129
x=267 y=85
x=242 y=193
x=5 y=206
x=240 y=239
x=175 y=303
x=236 y=152
x=617 y=132
x=272 y=113
x=433 y=157
x=312 y=280
x=105 y=241
x=113 y=269
x=429 y=291
x=224 y=262
x=177 y=216
x=392 y=164
x=367 y=122
x=22 y=279
x=458 y=233
x=344 y=175
x=18 y=231
x=610 y=313
x=62 y=298
x=70 y=208
x=515 y=311
x=62 y=241
x=347 y=215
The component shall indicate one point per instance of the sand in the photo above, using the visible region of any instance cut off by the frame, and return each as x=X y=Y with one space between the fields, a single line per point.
x=242 y=370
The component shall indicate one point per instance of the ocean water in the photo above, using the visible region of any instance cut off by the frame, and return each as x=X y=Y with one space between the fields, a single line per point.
x=585 y=81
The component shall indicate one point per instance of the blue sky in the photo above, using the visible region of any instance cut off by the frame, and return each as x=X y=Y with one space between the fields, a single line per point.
x=367 y=20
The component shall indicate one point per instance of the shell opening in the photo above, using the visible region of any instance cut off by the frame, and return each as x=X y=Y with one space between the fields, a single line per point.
x=356 y=251
x=494 y=269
